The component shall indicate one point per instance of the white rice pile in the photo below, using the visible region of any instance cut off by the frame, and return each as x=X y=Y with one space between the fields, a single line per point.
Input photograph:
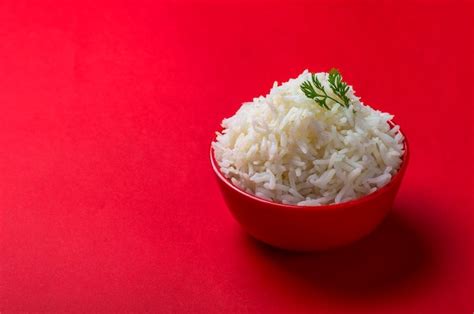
x=286 y=148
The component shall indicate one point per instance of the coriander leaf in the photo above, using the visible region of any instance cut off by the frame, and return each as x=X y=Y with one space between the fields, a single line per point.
x=315 y=90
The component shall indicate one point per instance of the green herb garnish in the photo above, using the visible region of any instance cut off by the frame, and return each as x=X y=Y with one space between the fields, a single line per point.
x=314 y=90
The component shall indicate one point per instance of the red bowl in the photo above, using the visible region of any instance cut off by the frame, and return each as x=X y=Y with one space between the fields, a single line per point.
x=309 y=228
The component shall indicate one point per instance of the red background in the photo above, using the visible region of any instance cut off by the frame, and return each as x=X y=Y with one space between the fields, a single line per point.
x=107 y=198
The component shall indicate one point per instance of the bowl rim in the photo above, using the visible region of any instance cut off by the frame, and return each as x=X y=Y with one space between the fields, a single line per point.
x=331 y=207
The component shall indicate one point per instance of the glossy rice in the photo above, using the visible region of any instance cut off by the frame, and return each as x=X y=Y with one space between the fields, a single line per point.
x=286 y=148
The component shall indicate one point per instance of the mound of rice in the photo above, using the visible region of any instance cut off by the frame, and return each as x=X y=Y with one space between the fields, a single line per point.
x=285 y=148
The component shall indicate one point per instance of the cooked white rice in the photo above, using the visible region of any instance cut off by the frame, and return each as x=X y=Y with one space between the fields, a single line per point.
x=285 y=148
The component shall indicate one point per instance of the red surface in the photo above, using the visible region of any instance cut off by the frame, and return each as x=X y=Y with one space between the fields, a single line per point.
x=107 y=198
x=310 y=228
